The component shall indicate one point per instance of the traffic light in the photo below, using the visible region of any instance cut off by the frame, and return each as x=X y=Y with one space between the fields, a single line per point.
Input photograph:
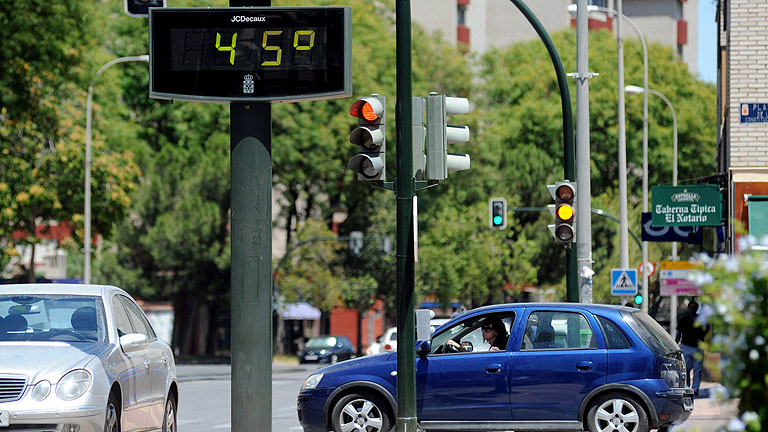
x=418 y=133
x=497 y=209
x=440 y=134
x=370 y=136
x=563 y=210
x=140 y=8
x=639 y=299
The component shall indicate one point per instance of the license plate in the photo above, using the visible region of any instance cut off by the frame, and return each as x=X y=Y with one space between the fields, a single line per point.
x=4 y=419
x=688 y=403
x=310 y=357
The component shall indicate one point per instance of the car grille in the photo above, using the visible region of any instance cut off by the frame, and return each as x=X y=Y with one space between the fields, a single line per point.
x=12 y=387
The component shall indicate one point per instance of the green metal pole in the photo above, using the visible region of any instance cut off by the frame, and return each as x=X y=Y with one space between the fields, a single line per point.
x=569 y=152
x=251 y=240
x=404 y=191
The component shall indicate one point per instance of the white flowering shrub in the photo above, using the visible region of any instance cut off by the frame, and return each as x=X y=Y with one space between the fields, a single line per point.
x=736 y=290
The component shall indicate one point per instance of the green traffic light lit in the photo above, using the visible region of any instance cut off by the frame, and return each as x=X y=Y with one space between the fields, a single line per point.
x=638 y=299
x=497 y=220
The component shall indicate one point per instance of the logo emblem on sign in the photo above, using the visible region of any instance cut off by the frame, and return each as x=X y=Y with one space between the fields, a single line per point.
x=248 y=84
x=686 y=196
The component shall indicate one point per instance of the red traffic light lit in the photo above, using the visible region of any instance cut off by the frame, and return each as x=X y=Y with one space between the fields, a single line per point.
x=367 y=109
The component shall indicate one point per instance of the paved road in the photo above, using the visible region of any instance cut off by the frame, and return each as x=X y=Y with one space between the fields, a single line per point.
x=205 y=393
x=205 y=401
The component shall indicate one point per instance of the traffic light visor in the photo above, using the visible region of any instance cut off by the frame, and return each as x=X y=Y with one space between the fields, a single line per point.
x=366 y=109
x=565 y=212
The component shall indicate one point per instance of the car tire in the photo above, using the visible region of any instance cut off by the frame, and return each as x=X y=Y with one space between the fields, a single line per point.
x=112 y=419
x=169 y=416
x=619 y=410
x=370 y=413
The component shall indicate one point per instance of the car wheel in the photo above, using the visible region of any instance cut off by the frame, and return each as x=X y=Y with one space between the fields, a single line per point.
x=169 y=418
x=617 y=412
x=112 y=421
x=360 y=412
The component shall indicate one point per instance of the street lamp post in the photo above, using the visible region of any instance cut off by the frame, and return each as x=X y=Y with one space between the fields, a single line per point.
x=592 y=8
x=636 y=89
x=87 y=233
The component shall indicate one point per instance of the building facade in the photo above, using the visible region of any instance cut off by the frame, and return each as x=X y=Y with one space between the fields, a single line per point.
x=477 y=25
x=743 y=116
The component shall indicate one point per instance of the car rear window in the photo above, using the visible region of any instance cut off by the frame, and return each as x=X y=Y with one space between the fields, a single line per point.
x=650 y=332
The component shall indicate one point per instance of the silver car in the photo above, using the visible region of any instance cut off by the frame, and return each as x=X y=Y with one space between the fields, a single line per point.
x=82 y=358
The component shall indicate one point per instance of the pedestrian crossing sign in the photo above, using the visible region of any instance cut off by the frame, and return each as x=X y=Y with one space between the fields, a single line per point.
x=623 y=281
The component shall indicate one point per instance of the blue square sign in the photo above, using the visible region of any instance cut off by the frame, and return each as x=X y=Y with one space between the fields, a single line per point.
x=623 y=281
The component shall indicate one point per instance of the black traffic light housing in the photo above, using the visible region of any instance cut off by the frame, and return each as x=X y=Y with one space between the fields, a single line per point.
x=564 y=211
x=497 y=209
x=140 y=8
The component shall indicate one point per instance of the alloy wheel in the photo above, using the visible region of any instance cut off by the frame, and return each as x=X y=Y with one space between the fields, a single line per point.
x=616 y=415
x=360 y=415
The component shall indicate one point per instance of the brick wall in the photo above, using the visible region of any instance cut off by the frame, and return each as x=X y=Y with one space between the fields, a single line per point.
x=747 y=80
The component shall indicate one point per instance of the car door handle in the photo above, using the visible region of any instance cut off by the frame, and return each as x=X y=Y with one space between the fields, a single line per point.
x=584 y=366
x=146 y=363
x=493 y=368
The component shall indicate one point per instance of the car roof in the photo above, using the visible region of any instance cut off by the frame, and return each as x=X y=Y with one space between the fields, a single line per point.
x=550 y=305
x=58 y=288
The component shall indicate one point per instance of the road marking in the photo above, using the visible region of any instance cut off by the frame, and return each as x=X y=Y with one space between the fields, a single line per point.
x=224 y=426
x=183 y=422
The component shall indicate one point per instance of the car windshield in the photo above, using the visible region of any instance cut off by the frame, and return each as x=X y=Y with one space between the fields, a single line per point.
x=651 y=333
x=321 y=342
x=64 y=318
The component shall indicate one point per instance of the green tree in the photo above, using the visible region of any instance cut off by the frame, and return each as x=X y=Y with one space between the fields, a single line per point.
x=47 y=57
x=359 y=294
x=735 y=290
x=520 y=136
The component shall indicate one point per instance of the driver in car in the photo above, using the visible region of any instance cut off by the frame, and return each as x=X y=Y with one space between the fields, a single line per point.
x=494 y=333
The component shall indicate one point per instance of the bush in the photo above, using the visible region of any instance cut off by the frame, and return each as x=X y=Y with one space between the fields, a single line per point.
x=736 y=290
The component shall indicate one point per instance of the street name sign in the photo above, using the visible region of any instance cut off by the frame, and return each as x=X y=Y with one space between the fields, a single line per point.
x=754 y=112
x=691 y=205
x=674 y=278
x=253 y=54
x=623 y=281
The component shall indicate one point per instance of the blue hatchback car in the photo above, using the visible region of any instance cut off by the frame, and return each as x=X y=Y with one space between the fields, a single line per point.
x=528 y=366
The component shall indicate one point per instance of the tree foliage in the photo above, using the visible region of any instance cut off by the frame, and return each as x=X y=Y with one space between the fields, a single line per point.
x=161 y=168
x=47 y=68
x=520 y=137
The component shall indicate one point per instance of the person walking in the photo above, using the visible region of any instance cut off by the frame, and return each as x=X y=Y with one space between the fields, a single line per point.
x=690 y=334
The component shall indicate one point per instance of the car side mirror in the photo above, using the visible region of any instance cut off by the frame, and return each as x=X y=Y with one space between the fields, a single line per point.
x=134 y=342
x=424 y=349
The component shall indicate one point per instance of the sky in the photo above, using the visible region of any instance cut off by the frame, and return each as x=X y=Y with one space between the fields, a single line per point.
x=707 y=50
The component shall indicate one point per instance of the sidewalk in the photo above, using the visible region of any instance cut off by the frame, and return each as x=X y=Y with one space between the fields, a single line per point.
x=709 y=415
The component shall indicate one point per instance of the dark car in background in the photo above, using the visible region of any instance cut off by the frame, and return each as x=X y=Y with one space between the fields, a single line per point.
x=326 y=349
x=565 y=366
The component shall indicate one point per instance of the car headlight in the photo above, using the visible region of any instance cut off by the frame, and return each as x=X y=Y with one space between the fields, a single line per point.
x=312 y=381
x=41 y=390
x=73 y=385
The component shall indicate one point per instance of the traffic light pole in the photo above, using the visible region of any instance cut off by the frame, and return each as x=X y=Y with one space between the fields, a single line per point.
x=404 y=191
x=251 y=239
x=569 y=156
